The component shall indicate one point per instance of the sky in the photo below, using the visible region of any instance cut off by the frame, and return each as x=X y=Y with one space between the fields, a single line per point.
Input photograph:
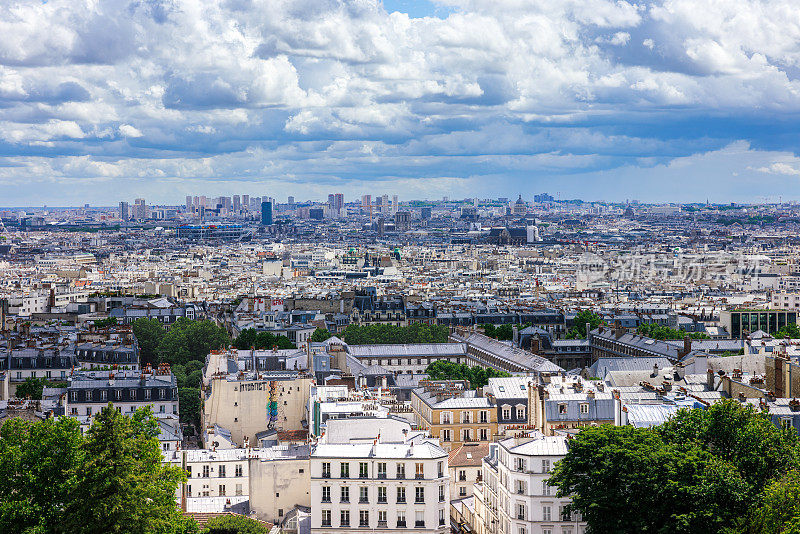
x=658 y=101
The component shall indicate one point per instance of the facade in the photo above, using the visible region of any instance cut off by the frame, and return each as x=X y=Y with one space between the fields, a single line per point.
x=453 y=413
x=515 y=497
x=465 y=464
x=368 y=475
x=266 y=213
x=741 y=323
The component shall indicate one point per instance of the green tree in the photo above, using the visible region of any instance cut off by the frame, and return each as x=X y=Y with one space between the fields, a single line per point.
x=104 y=323
x=122 y=485
x=31 y=388
x=478 y=376
x=779 y=512
x=578 y=331
x=377 y=334
x=189 y=340
x=696 y=473
x=320 y=335
x=190 y=403
x=234 y=524
x=149 y=334
x=250 y=338
x=38 y=466
x=790 y=330
x=656 y=331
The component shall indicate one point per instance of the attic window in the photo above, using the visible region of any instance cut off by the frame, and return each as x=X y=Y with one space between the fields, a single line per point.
x=501 y=389
x=562 y=408
x=522 y=387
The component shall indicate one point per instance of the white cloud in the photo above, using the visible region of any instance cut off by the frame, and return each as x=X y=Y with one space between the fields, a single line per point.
x=126 y=130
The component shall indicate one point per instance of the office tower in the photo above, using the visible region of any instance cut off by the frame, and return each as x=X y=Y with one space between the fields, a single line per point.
x=124 y=211
x=291 y=201
x=338 y=204
x=385 y=204
x=139 y=209
x=331 y=200
x=395 y=204
x=266 y=213
x=204 y=201
x=237 y=203
x=246 y=202
x=227 y=203
x=188 y=203
x=425 y=213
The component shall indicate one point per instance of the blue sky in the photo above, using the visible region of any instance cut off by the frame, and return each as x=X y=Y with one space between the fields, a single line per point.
x=669 y=100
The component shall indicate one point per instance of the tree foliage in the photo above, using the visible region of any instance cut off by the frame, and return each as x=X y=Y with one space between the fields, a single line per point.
x=149 y=334
x=191 y=403
x=32 y=388
x=699 y=472
x=251 y=338
x=664 y=332
x=53 y=479
x=104 y=323
x=578 y=331
x=790 y=330
x=477 y=376
x=504 y=332
x=779 y=512
x=380 y=334
x=320 y=335
x=186 y=341
x=234 y=524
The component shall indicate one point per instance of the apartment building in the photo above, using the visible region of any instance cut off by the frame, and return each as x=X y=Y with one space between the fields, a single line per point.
x=465 y=464
x=515 y=497
x=371 y=474
x=453 y=413
x=785 y=300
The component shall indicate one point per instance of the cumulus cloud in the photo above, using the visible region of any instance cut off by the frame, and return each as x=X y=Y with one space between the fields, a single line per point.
x=333 y=89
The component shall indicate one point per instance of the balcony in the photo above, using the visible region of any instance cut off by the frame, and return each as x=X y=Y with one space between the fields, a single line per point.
x=401 y=501
x=382 y=476
x=326 y=474
x=401 y=476
x=383 y=524
x=401 y=524
x=462 y=477
x=326 y=523
x=419 y=476
x=382 y=500
x=363 y=501
x=419 y=501
x=419 y=524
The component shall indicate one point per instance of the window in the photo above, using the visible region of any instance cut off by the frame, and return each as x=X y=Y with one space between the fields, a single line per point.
x=546 y=515
x=484 y=434
x=584 y=408
x=238 y=489
x=381 y=494
x=462 y=475
x=381 y=469
x=462 y=491
x=382 y=518
x=345 y=518
x=326 y=494
x=563 y=513
x=545 y=466
x=345 y=470
x=401 y=519
x=419 y=519
x=562 y=408
x=467 y=434
x=521 y=487
x=446 y=434
x=401 y=495
x=88 y=410
x=103 y=395
x=118 y=394
x=345 y=494
x=445 y=418
x=206 y=471
x=147 y=394
x=221 y=471
x=419 y=495
x=326 y=518
x=401 y=471
x=222 y=490
x=326 y=470
x=419 y=470
x=441 y=493
x=363 y=518
x=238 y=470
x=466 y=417
x=189 y=471
x=521 y=512
x=547 y=531
x=520 y=413
x=440 y=469
x=363 y=470
x=520 y=464
x=363 y=495
x=506 y=413
x=484 y=416
x=786 y=423
x=545 y=488
x=441 y=517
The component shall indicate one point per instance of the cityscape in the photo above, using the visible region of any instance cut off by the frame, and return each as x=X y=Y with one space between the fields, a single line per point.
x=413 y=266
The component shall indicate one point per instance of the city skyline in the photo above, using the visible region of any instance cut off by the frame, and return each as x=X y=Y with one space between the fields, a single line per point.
x=662 y=101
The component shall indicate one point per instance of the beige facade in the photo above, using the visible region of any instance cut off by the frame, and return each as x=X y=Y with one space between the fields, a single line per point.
x=277 y=485
x=241 y=406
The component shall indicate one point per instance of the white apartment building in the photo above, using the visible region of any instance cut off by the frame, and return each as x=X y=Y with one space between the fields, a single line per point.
x=266 y=481
x=785 y=300
x=378 y=474
x=515 y=497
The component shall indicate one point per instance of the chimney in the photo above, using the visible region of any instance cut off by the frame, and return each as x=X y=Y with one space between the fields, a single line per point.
x=588 y=329
x=710 y=379
x=687 y=347
x=618 y=330
x=655 y=371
